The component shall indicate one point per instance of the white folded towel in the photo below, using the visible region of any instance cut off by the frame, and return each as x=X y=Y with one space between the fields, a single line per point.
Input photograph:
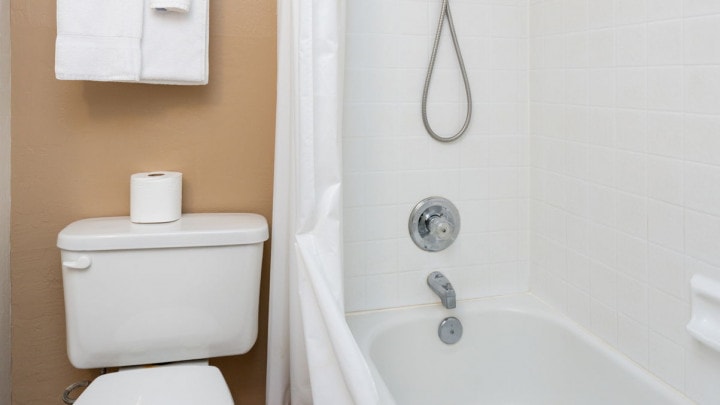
x=131 y=41
x=175 y=45
x=99 y=40
x=180 y=6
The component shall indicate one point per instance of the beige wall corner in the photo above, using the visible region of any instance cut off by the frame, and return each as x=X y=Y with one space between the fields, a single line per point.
x=5 y=380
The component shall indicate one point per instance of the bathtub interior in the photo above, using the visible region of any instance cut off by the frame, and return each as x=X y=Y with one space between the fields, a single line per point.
x=514 y=350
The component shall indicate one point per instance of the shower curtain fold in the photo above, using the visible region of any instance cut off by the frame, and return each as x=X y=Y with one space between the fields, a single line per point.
x=312 y=355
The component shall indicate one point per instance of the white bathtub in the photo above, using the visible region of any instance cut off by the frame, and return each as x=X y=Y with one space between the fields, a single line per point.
x=514 y=350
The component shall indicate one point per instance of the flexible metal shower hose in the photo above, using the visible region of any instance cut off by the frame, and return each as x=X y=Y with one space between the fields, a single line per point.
x=445 y=12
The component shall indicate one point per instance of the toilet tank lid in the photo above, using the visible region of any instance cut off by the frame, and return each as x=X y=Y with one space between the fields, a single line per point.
x=192 y=230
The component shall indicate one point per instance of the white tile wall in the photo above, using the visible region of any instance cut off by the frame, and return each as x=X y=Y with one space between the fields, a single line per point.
x=391 y=163
x=629 y=92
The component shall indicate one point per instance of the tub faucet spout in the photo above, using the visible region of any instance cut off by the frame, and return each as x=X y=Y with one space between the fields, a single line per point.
x=442 y=287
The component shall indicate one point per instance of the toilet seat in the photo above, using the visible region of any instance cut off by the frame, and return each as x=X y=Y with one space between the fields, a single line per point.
x=169 y=385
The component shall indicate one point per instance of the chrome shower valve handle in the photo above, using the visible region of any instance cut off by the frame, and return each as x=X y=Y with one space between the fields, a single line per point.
x=434 y=224
x=440 y=227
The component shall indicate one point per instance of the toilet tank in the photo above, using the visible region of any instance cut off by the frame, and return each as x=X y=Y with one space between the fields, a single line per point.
x=153 y=293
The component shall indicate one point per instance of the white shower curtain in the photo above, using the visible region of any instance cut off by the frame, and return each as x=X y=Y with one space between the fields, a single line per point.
x=312 y=356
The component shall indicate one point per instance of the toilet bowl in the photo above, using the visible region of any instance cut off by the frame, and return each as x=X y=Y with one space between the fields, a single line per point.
x=174 y=294
x=183 y=384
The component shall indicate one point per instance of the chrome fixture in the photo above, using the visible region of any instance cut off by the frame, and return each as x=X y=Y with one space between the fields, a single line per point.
x=445 y=12
x=442 y=287
x=450 y=330
x=434 y=224
x=66 y=398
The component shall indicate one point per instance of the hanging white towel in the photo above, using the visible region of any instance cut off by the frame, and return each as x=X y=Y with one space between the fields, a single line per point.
x=175 y=45
x=99 y=40
x=131 y=41
x=179 y=6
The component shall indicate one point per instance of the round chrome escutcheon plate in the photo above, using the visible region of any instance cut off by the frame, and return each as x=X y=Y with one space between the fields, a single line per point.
x=434 y=224
x=450 y=330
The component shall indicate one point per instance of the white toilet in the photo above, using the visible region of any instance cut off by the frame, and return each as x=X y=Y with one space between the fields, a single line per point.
x=178 y=293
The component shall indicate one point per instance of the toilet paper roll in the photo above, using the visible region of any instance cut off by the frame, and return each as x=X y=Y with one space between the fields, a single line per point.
x=155 y=197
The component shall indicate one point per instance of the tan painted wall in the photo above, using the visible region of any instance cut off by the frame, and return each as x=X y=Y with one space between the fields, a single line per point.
x=4 y=202
x=75 y=145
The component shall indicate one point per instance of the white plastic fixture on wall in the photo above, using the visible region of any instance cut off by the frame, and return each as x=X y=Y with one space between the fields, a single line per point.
x=704 y=324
